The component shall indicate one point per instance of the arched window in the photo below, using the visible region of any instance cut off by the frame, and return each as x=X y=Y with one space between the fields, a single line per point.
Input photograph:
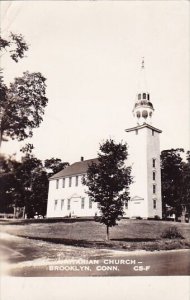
x=144 y=95
x=138 y=114
x=148 y=96
x=145 y=114
x=139 y=96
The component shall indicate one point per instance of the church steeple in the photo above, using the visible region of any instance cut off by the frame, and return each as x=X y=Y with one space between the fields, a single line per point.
x=143 y=108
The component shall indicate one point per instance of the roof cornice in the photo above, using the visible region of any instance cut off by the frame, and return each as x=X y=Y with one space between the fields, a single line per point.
x=143 y=126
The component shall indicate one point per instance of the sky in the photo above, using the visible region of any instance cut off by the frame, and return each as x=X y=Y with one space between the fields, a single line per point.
x=91 y=52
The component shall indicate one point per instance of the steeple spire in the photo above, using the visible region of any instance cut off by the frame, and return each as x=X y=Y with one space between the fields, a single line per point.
x=142 y=66
x=143 y=108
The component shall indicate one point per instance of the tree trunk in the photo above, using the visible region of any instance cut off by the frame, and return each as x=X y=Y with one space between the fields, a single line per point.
x=107 y=233
x=1 y=136
x=183 y=214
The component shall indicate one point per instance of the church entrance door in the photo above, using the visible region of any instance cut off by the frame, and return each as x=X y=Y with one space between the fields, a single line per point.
x=75 y=207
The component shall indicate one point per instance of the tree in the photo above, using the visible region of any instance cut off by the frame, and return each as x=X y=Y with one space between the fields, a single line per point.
x=24 y=184
x=185 y=187
x=108 y=182
x=15 y=45
x=26 y=173
x=23 y=107
x=22 y=103
x=54 y=165
x=8 y=184
x=171 y=178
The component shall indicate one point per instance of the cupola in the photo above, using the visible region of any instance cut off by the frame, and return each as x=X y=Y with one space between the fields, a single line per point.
x=143 y=108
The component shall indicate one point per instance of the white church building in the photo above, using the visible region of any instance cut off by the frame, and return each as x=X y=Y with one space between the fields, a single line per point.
x=67 y=195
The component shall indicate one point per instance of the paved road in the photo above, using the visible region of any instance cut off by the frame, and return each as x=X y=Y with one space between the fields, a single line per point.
x=22 y=257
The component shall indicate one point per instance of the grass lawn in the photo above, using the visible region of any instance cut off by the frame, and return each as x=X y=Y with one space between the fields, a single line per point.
x=128 y=235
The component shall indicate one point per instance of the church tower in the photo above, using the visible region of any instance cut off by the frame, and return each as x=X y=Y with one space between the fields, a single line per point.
x=144 y=157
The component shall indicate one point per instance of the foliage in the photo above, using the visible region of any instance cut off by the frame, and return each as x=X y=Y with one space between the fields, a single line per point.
x=15 y=45
x=8 y=183
x=108 y=182
x=24 y=183
x=172 y=233
x=23 y=107
x=22 y=103
x=171 y=178
x=54 y=165
x=175 y=176
x=185 y=186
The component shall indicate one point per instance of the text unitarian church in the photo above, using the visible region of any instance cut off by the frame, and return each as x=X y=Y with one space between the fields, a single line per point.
x=67 y=195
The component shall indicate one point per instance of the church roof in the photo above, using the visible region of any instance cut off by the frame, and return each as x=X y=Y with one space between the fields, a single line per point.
x=143 y=126
x=77 y=168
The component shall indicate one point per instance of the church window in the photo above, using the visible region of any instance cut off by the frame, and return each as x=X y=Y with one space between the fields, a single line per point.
x=144 y=114
x=138 y=114
x=57 y=183
x=153 y=162
x=63 y=183
x=154 y=203
x=62 y=204
x=77 y=181
x=154 y=189
x=90 y=203
x=154 y=176
x=82 y=203
x=136 y=131
x=139 y=96
x=70 y=181
x=148 y=96
x=69 y=204
x=126 y=204
x=55 y=204
x=144 y=95
x=152 y=132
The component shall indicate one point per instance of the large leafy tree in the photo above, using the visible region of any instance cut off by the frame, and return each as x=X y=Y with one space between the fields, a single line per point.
x=185 y=187
x=171 y=178
x=22 y=103
x=9 y=190
x=54 y=165
x=25 y=183
x=108 y=182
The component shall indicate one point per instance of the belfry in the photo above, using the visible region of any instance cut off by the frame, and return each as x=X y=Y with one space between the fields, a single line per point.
x=144 y=157
x=143 y=108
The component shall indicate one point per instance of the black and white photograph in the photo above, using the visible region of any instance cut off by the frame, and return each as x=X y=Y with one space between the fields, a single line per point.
x=94 y=142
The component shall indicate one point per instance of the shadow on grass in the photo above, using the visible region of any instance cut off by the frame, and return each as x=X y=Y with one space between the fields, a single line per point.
x=135 y=240
x=71 y=242
x=112 y=243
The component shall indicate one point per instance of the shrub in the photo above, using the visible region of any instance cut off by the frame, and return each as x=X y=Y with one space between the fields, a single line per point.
x=172 y=233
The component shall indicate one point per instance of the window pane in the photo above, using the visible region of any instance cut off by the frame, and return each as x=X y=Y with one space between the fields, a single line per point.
x=153 y=162
x=77 y=180
x=154 y=189
x=69 y=204
x=154 y=204
x=90 y=203
x=57 y=183
x=55 y=204
x=82 y=203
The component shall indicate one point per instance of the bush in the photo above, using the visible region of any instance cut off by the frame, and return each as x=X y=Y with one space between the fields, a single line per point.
x=172 y=233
